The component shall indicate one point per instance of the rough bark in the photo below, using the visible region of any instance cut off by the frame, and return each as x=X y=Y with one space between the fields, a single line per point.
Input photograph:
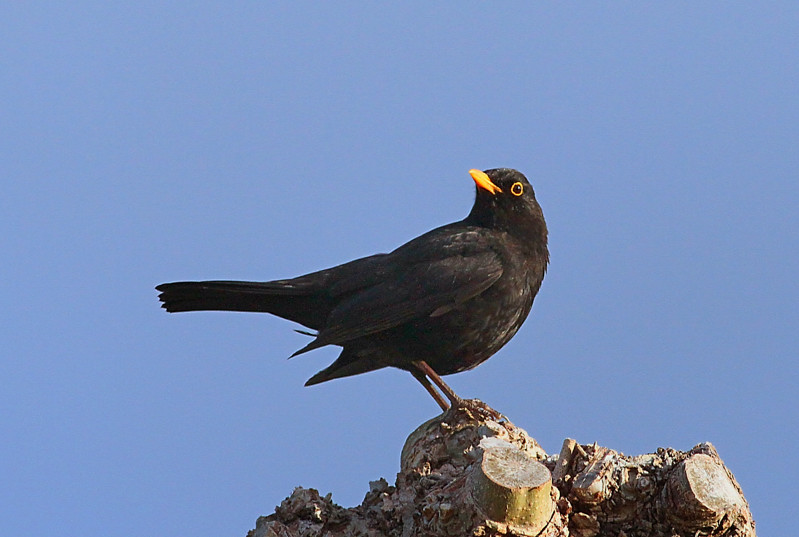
x=470 y=471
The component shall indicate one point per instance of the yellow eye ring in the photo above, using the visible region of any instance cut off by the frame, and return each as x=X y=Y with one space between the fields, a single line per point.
x=517 y=189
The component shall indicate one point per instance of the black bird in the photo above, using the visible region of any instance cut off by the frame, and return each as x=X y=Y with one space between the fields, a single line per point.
x=440 y=304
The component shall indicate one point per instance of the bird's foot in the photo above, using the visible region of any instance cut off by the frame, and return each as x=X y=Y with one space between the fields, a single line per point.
x=476 y=409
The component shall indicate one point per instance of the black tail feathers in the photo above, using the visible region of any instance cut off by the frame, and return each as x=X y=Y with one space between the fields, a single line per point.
x=283 y=298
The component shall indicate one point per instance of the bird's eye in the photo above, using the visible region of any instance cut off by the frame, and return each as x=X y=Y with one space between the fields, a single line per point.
x=517 y=189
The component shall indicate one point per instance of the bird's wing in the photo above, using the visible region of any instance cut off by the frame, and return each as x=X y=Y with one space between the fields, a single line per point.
x=419 y=285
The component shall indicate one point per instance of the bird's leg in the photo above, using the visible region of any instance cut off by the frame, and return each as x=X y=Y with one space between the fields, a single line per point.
x=425 y=369
x=418 y=375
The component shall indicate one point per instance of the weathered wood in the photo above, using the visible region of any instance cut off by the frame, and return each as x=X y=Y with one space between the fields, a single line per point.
x=699 y=493
x=470 y=471
x=564 y=460
x=591 y=486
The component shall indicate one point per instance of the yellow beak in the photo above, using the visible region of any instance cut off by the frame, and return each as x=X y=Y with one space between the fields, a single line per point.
x=484 y=182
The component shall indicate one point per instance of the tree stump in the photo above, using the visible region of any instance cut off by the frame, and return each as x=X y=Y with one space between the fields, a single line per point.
x=470 y=471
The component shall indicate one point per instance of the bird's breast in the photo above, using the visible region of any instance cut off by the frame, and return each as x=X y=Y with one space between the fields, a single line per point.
x=473 y=331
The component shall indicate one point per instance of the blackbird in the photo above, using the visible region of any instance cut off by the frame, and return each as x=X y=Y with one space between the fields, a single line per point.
x=440 y=304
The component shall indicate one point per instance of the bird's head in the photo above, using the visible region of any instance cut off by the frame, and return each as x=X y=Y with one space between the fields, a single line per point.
x=506 y=201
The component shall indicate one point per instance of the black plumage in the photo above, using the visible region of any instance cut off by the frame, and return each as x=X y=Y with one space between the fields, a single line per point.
x=442 y=303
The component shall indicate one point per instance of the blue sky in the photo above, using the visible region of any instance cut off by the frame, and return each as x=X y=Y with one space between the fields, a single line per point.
x=147 y=143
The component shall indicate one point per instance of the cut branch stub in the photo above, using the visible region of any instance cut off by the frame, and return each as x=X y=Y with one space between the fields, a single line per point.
x=700 y=492
x=510 y=487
